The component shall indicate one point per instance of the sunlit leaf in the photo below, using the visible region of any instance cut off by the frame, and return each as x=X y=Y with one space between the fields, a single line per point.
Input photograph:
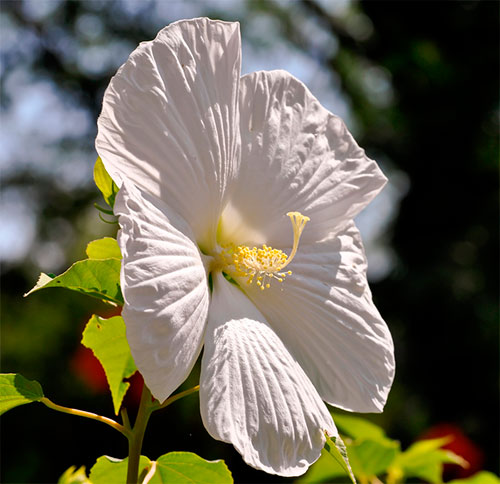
x=108 y=470
x=337 y=449
x=356 y=427
x=16 y=390
x=424 y=459
x=93 y=277
x=106 y=248
x=324 y=469
x=372 y=457
x=107 y=339
x=370 y=453
x=189 y=468
x=104 y=182
x=483 y=477
x=74 y=476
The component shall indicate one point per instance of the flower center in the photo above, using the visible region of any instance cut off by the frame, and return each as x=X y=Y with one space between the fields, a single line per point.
x=265 y=263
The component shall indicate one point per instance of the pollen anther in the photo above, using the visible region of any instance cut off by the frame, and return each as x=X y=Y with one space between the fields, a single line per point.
x=266 y=263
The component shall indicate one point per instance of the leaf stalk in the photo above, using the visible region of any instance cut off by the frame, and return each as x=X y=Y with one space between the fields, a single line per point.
x=83 y=413
x=178 y=396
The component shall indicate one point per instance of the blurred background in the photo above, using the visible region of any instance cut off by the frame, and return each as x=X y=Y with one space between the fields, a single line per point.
x=416 y=83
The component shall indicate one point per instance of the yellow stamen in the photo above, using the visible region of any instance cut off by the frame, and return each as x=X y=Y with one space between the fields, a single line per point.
x=266 y=263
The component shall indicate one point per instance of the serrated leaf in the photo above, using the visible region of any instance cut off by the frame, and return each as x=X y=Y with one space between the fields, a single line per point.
x=189 y=468
x=43 y=280
x=337 y=449
x=424 y=459
x=357 y=428
x=16 y=390
x=108 y=470
x=372 y=457
x=74 y=476
x=105 y=183
x=108 y=341
x=105 y=248
x=483 y=477
x=93 y=277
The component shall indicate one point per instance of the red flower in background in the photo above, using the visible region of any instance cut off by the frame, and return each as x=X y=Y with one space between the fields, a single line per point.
x=461 y=445
x=88 y=369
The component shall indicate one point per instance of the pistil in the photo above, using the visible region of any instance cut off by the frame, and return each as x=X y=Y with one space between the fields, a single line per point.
x=265 y=263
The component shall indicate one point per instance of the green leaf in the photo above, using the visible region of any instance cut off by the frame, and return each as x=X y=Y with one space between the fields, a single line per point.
x=73 y=476
x=483 y=477
x=369 y=454
x=107 y=339
x=372 y=457
x=108 y=470
x=189 y=468
x=99 y=278
x=324 y=469
x=336 y=448
x=424 y=459
x=105 y=248
x=16 y=390
x=104 y=182
x=357 y=428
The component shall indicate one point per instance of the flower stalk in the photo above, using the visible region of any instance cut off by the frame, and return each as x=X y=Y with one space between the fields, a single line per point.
x=146 y=407
x=136 y=436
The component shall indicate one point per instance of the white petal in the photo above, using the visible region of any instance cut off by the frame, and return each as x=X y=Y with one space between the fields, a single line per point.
x=253 y=394
x=169 y=121
x=296 y=156
x=324 y=314
x=165 y=288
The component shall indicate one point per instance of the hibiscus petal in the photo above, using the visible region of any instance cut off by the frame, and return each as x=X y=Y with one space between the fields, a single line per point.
x=298 y=157
x=169 y=121
x=324 y=314
x=253 y=393
x=165 y=288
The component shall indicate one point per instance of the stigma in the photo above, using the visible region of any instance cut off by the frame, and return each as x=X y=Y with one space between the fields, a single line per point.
x=264 y=264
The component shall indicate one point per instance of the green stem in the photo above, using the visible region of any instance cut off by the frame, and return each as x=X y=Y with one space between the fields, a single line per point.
x=82 y=413
x=134 y=435
x=137 y=436
x=125 y=419
x=146 y=408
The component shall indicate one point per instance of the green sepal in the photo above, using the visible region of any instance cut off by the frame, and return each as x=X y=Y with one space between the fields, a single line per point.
x=337 y=449
x=108 y=341
x=74 y=476
x=105 y=183
x=99 y=278
x=16 y=390
x=108 y=470
x=189 y=468
x=424 y=459
x=105 y=248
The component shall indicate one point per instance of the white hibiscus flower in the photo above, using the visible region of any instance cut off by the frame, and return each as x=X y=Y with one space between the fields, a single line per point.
x=210 y=164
